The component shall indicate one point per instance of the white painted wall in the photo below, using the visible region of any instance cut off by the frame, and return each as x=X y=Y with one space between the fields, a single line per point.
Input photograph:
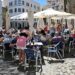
x=23 y=6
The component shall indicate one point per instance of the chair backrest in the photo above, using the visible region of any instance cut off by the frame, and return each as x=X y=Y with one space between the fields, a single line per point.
x=6 y=46
x=29 y=53
x=58 y=45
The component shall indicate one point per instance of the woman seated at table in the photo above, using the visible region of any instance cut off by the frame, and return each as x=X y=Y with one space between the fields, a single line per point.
x=56 y=39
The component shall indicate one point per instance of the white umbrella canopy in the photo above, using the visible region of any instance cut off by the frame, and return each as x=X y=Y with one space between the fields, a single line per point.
x=71 y=17
x=25 y=16
x=39 y=15
x=50 y=12
x=21 y=16
x=56 y=18
x=43 y=14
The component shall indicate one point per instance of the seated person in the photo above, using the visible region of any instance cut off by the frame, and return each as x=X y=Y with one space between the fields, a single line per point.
x=43 y=37
x=73 y=33
x=9 y=42
x=57 y=38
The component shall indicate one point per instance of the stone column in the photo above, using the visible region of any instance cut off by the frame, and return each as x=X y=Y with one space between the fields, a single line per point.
x=30 y=18
x=6 y=17
x=7 y=21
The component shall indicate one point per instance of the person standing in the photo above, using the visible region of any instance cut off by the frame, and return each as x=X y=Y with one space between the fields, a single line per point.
x=21 y=43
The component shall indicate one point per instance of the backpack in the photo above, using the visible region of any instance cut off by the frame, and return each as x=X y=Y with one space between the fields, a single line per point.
x=21 y=41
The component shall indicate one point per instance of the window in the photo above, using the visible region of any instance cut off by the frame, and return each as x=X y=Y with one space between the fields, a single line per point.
x=19 y=2
x=23 y=10
x=15 y=2
x=10 y=4
x=15 y=24
x=23 y=24
x=34 y=7
x=27 y=4
x=19 y=25
x=38 y=8
x=53 y=4
x=19 y=9
x=11 y=24
x=22 y=2
x=57 y=7
x=11 y=11
x=31 y=5
x=15 y=10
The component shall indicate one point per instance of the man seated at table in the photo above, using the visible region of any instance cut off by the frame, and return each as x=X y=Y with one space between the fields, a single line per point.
x=43 y=38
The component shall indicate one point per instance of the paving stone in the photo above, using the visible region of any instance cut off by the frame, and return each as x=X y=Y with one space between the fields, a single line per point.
x=66 y=68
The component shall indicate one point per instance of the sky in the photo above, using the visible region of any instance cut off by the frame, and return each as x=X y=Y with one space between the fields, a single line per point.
x=42 y=2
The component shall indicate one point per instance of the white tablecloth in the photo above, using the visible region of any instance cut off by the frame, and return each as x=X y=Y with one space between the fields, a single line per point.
x=35 y=43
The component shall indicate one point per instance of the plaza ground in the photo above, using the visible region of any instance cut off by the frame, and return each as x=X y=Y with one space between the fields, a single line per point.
x=50 y=67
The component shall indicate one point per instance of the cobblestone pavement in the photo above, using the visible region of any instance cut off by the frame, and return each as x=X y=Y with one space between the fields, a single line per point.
x=60 y=68
x=49 y=68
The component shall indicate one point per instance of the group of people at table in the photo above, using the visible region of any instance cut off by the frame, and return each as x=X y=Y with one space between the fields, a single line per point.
x=22 y=37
